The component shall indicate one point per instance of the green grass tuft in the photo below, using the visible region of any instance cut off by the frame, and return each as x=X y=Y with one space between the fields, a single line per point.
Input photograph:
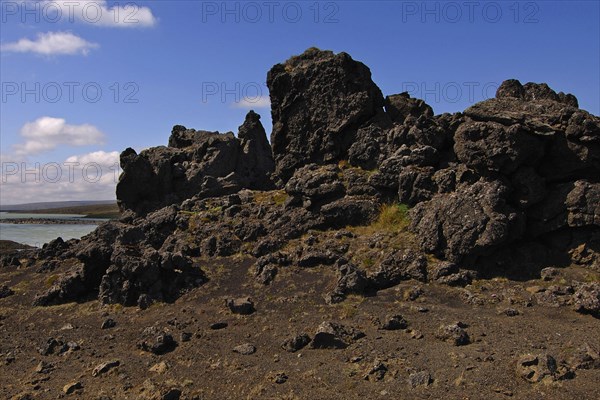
x=393 y=217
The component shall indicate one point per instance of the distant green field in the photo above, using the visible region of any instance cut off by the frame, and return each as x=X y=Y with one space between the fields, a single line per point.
x=92 y=211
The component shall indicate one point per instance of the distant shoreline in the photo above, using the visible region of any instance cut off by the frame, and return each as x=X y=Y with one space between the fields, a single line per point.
x=96 y=211
x=51 y=221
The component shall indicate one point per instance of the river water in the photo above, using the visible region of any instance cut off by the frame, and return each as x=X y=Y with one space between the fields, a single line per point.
x=38 y=234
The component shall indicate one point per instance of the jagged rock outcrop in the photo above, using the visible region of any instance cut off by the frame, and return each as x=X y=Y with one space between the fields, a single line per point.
x=511 y=183
x=256 y=159
x=125 y=262
x=319 y=101
x=533 y=91
x=196 y=163
x=524 y=176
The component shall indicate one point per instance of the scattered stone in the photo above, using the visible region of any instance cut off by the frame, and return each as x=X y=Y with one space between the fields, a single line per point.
x=10 y=261
x=105 y=367
x=5 y=291
x=352 y=280
x=549 y=273
x=511 y=312
x=416 y=379
x=73 y=346
x=394 y=323
x=9 y=358
x=413 y=293
x=159 y=391
x=453 y=333
x=70 y=388
x=171 y=394
x=535 y=289
x=242 y=306
x=186 y=336
x=414 y=334
x=462 y=278
x=296 y=343
x=218 y=325
x=44 y=367
x=585 y=357
x=245 y=349
x=53 y=346
x=586 y=299
x=23 y=396
x=108 y=323
x=331 y=335
x=377 y=371
x=159 y=368
x=158 y=344
x=144 y=301
x=280 y=378
x=536 y=367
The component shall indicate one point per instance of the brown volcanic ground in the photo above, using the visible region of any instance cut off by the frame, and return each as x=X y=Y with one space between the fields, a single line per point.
x=206 y=367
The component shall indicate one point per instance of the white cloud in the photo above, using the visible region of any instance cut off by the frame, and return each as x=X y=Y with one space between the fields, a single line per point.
x=51 y=43
x=91 y=176
x=97 y=12
x=46 y=133
x=253 y=102
x=99 y=157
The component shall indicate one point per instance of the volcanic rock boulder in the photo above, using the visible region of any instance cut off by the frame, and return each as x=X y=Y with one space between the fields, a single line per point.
x=400 y=106
x=319 y=100
x=396 y=267
x=200 y=163
x=568 y=138
x=524 y=167
x=296 y=343
x=572 y=205
x=142 y=276
x=491 y=147
x=470 y=221
x=313 y=183
x=536 y=367
x=93 y=253
x=332 y=335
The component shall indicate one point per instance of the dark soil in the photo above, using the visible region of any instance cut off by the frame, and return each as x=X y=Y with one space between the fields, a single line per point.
x=504 y=321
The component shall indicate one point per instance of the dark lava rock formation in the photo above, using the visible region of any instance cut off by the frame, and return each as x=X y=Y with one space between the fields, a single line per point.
x=320 y=100
x=508 y=187
x=196 y=162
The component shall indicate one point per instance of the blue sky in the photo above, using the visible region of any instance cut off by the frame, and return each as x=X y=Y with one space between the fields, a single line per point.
x=192 y=63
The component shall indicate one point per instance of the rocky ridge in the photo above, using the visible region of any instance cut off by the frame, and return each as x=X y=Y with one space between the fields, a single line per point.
x=508 y=187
